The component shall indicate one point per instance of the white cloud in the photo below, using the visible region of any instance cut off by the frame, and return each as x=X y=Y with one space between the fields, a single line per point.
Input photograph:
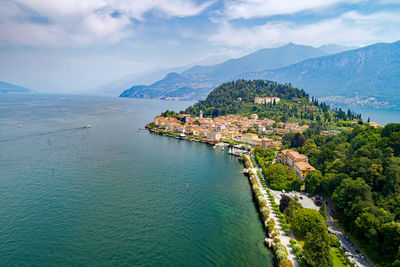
x=170 y=8
x=81 y=22
x=263 y=8
x=350 y=28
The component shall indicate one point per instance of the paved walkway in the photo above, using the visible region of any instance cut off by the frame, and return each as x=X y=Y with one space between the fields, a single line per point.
x=282 y=236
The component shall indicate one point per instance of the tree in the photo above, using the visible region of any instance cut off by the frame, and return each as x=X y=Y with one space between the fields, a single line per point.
x=284 y=203
x=314 y=182
x=316 y=248
x=288 y=138
x=298 y=140
x=390 y=128
x=322 y=210
x=282 y=177
x=394 y=142
x=215 y=113
x=292 y=207
x=351 y=197
x=306 y=220
x=391 y=239
x=334 y=241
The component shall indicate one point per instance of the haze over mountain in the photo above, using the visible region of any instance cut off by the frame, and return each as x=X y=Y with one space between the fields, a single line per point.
x=9 y=88
x=114 y=87
x=197 y=81
x=368 y=76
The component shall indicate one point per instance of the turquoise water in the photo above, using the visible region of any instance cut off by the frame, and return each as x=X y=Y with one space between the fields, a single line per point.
x=381 y=116
x=115 y=196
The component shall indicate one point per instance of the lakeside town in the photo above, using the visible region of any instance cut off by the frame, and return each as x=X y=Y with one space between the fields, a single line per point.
x=236 y=128
x=243 y=134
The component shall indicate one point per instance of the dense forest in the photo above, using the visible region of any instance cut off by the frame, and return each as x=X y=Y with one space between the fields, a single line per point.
x=295 y=105
x=359 y=172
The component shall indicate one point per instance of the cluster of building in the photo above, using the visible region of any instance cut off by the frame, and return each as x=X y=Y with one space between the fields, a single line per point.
x=298 y=162
x=230 y=127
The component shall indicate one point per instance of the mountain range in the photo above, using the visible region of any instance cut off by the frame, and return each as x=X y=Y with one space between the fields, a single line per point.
x=368 y=76
x=196 y=82
x=148 y=77
x=9 y=88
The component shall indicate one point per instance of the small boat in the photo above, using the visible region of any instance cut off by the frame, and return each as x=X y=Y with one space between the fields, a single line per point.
x=89 y=126
x=19 y=125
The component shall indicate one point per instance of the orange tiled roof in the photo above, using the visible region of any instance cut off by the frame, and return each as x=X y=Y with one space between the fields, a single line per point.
x=304 y=166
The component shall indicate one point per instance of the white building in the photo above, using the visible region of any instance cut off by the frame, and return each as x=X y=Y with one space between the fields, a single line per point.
x=266 y=100
x=215 y=136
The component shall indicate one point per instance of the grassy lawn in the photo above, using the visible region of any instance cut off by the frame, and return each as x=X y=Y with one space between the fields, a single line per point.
x=338 y=260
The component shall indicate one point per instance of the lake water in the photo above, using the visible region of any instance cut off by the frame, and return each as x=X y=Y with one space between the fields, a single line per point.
x=115 y=196
x=381 y=116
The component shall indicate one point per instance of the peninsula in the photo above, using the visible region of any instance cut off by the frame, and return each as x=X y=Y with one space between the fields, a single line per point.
x=294 y=146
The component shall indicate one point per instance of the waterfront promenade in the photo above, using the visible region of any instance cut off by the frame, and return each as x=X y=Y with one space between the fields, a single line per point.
x=282 y=235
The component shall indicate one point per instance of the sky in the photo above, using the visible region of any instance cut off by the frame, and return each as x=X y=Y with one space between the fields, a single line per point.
x=71 y=45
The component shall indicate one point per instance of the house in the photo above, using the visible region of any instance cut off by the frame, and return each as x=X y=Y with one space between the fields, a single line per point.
x=229 y=134
x=332 y=132
x=268 y=122
x=291 y=126
x=375 y=125
x=282 y=131
x=266 y=142
x=253 y=116
x=220 y=127
x=289 y=157
x=302 y=169
x=276 y=144
x=266 y=100
x=173 y=127
x=280 y=125
x=298 y=162
x=164 y=121
x=249 y=138
x=215 y=136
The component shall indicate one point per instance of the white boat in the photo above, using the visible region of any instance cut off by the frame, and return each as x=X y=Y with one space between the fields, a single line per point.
x=89 y=126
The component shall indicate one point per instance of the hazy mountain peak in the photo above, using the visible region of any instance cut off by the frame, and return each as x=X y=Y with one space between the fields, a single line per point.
x=9 y=88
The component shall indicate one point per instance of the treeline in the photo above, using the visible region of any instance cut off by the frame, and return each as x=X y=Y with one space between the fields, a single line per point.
x=360 y=172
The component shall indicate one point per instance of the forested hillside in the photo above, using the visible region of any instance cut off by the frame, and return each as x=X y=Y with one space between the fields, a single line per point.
x=295 y=105
x=360 y=172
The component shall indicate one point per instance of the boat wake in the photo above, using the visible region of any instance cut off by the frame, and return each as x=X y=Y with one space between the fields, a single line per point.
x=17 y=138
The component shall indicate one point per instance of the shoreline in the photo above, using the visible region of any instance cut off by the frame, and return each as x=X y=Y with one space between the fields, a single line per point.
x=265 y=208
